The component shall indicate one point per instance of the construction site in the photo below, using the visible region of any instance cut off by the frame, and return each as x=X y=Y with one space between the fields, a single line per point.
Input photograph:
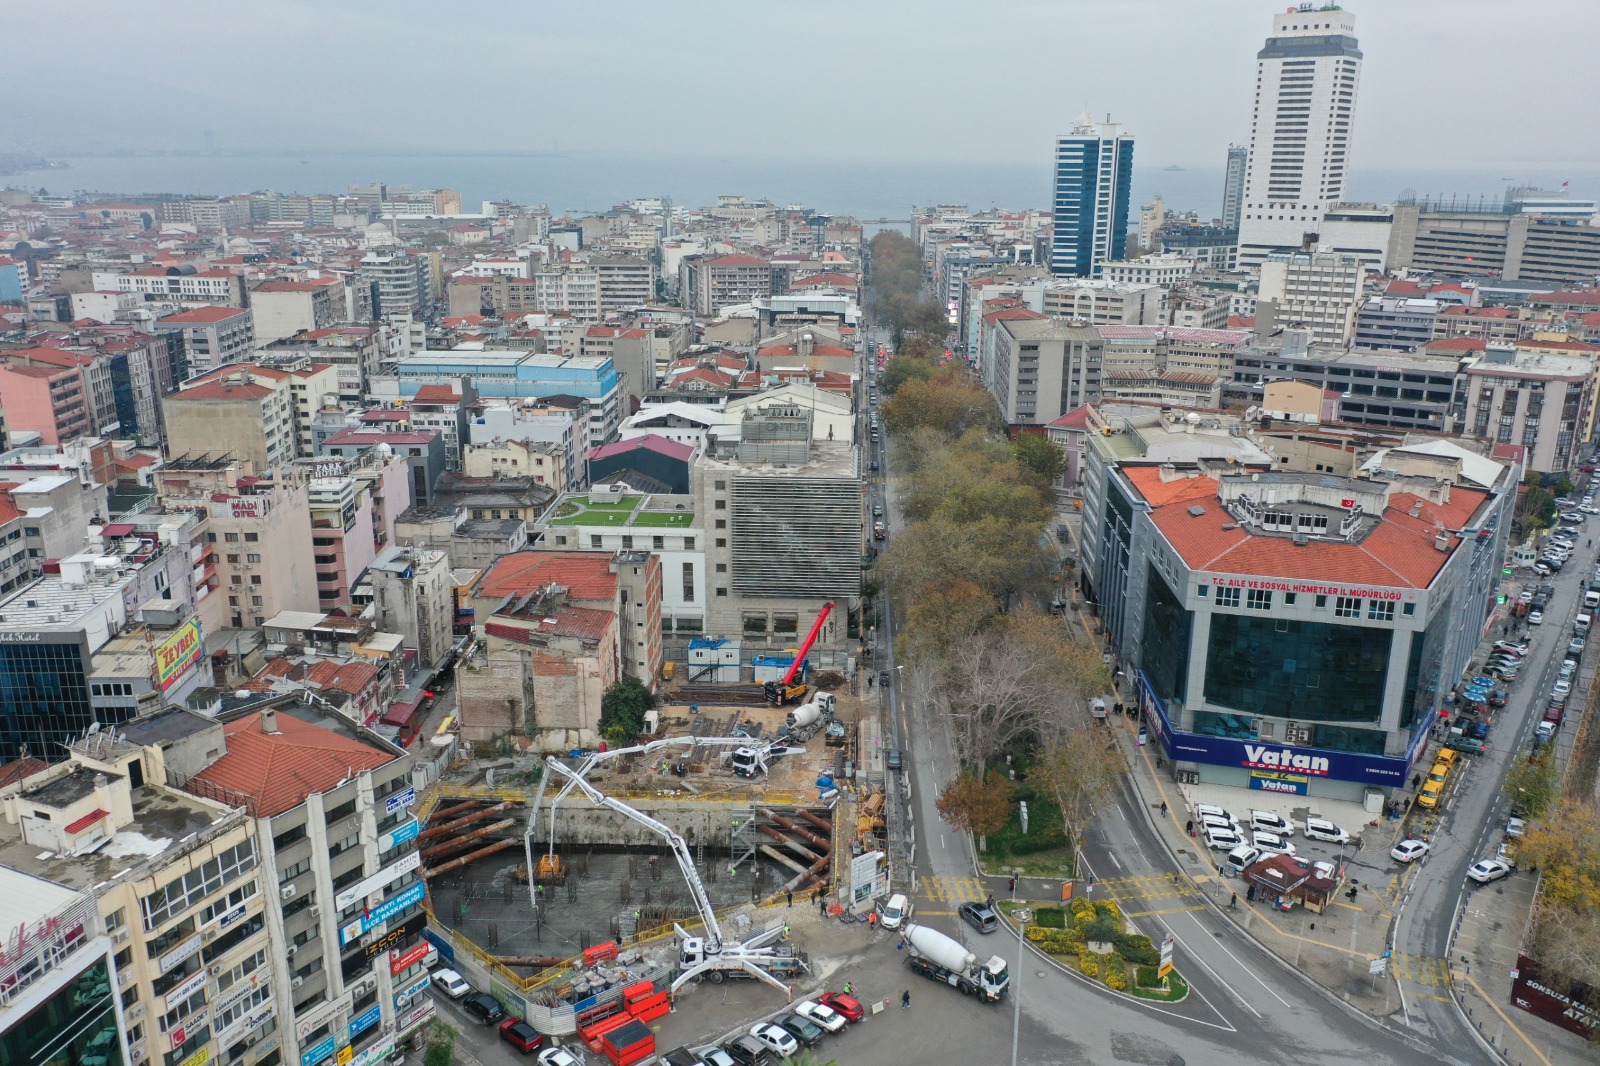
x=567 y=882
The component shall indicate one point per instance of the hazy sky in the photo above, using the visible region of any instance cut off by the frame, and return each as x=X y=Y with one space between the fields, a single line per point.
x=1445 y=82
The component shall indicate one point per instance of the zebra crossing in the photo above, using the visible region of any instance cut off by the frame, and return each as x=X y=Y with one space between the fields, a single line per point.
x=1148 y=888
x=1425 y=970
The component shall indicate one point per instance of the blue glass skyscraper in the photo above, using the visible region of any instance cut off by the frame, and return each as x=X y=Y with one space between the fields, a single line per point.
x=1094 y=180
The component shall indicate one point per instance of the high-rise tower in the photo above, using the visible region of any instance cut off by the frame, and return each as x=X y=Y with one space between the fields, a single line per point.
x=1233 y=186
x=1093 y=181
x=1300 y=129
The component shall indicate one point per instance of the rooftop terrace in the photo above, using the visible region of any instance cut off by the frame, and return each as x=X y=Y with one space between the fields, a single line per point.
x=629 y=511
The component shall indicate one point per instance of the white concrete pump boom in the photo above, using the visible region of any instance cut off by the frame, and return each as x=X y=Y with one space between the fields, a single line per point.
x=680 y=849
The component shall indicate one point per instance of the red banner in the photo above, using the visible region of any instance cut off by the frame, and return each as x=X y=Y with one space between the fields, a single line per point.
x=409 y=959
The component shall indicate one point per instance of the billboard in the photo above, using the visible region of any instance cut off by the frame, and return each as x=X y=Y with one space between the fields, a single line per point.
x=1282 y=762
x=175 y=654
x=1577 y=1011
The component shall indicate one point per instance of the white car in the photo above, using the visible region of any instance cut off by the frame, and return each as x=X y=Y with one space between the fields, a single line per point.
x=1561 y=687
x=1410 y=850
x=557 y=1056
x=1568 y=668
x=1485 y=870
x=1536 y=618
x=1203 y=809
x=1211 y=821
x=450 y=983
x=1322 y=829
x=825 y=1018
x=777 y=1038
x=1515 y=827
x=1271 y=843
x=1271 y=822
x=1219 y=839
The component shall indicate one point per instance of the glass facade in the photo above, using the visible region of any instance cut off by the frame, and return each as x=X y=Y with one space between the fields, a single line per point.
x=1164 y=645
x=1094 y=182
x=44 y=694
x=1424 y=665
x=1287 y=668
x=75 y=1027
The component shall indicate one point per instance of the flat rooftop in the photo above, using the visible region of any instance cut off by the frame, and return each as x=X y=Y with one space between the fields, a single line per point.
x=629 y=511
x=30 y=897
x=163 y=819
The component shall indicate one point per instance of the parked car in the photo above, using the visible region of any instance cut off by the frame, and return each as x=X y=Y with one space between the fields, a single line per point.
x=1323 y=829
x=1203 y=809
x=558 y=1056
x=1409 y=850
x=775 y=1038
x=849 y=1006
x=1543 y=568
x=1470 y=745
x=1221 y=839
x=807 y=1032
x=894 y=760
x=1271 y=843
x=820 y=1015
x=895 y=912
x=980 y=916
x=1244 y=855
x=450 y=983
x=1536 y=618
x=1576 y=646
x=1515 y=827
x=1272 y=822
x=520 y=1035
x=483 y=1007
x=1485 y=870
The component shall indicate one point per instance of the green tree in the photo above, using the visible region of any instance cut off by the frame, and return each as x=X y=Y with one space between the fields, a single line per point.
x=1532 y=785
x=979 y=804
x=622 y=710
x=441 y=1046
x=1040 y=455
x=1080 y=767
x=904 y=368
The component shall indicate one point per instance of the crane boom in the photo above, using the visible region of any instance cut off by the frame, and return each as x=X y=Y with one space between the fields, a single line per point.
x=680 y=849
x=811 y=638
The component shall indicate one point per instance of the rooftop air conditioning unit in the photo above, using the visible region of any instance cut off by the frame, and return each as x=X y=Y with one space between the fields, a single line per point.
x=287 y=892
x=297 y=982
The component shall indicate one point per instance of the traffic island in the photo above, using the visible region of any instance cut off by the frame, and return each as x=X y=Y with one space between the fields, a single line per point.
x=1097 y=941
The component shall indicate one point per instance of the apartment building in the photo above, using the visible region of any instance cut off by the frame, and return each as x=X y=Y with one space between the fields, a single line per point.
x=284 y=308
x=184 y=285
x=569 y=290
x=338 y=855
x=52 y=401
x=625 y=281
x=708 y=284
x=400 y=283
x=1539 y=400
x=175 y=882
x=544 y=461
x=1099 y=301
x=1396 y=323
x=213 y=336
x=1319 y=291
x=412 y=595
x=1039 y=368
x=252 y=411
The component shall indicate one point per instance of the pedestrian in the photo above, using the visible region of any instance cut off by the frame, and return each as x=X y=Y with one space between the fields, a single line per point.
x=905 y=1000
x=869 y=680
x=1163 y=806
x=786 y=931
x=1189 y=827
x=872 y=919
x=1416 y=779
x=822 y=906
x=990 y=901
x=849 y=989
x=1233 y=904
x=1013 y=884
x=788 y=895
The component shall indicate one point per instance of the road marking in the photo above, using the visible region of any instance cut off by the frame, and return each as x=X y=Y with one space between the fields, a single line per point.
x=1249 y=971
x=1168 y=910
x=1239 y=995
x=1425 y=970
x=1503 y=1017
x=1114 y=861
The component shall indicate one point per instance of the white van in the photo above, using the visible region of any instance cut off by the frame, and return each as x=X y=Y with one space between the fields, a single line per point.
x=1203 y=809
x=1243 y=855
x=1271 y=822
x=1322 y=829
x=1219 y=822
x=895 y=912
x=1591 y=600
x=1580 y=627
x=1220 y=839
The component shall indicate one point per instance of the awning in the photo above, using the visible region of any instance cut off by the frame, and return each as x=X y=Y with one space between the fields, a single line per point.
x=87 y=820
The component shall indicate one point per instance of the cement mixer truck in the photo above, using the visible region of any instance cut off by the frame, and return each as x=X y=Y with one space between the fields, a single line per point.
x=802 y=722
x=942 y=958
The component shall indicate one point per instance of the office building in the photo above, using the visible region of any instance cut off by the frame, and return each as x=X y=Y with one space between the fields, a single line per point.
x=1542 y=401
x=521 y=374
x=1295 y=633
x=1233 y=185
x=336 y=842
x=1317 y=291
x=1396 y=323
x=1093 y=182
x=1463 y=242
x=1300 y=128
x=1038 y=368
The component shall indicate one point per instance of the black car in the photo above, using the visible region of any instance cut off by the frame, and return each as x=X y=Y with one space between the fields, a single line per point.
x=1478 y=730
x=980 y=917
x=883 y=678
x=483 y=1007
x=807 y=1032
x=894 y=760
x=747 y=1051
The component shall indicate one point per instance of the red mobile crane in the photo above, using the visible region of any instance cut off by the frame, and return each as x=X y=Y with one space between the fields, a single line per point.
x=781 y=692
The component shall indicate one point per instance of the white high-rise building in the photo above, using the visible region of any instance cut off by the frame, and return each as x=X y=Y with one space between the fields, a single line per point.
x=1305 y=103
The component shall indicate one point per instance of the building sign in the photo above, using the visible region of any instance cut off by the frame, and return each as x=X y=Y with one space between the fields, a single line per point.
x=381 y=913
x=12 y=637
x=400 y=834
x=245 y=507
x=199 y=1058
x=365 y=1020
x=1276 y=781
x=304 y=1027
x=376 y=1053
x=415 y=1016
x=1577 y=1013
x=400 y=801
x=178 y=954
x=402 y=963
x=248 y=1023
x=231 y=917
x=1228 y=581
x=368 y=885
x=177 y=653
x=1288 y=760
x=317 y=1052
x=194 y=983
x=328 y=468
x=402 y=998
x=1166 y=957
x=396 y=936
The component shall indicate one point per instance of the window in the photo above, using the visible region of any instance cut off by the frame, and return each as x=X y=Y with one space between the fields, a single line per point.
x=722 y=523
x=722 y=542
x=1380 y=610
x=688 y=544
x=688 y=582
x=594 y=540
x=233 y=557
x=289 y=873
x=1409 y=610
x=1288 y=599
x=1227 y=597
x=179 y=895
x=1259 y=599
x=1321 y=601
x=1203 y=591
x=719 y=505
x=251 y=538
x=1347 y=607
x=722 y=592
x=720 y=485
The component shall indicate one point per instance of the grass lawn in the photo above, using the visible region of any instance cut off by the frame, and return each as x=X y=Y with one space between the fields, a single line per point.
x=1041 y=852
x=1177 y=988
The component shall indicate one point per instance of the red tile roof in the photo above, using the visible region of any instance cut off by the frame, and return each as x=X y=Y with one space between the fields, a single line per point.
x=196 y=316
x=587 y=574
x=1077 y=418
x=279 y=770
x=1398 y=553
x=1457 y=344
x=17 y=769
x=436 y=394
x=649 y=442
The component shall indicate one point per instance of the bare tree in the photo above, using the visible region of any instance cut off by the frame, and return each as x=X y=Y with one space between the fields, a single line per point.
x=1080 y=767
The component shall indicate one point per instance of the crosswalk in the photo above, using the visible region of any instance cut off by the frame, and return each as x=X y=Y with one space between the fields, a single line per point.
x=1146 y=889
x=1425 y=970
x=954 y=889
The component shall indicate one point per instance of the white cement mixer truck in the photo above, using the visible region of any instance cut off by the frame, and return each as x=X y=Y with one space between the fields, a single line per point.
x=942 y=958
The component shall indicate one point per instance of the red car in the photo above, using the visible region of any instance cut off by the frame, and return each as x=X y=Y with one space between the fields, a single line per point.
x=520 y=1035
x=848 y=1006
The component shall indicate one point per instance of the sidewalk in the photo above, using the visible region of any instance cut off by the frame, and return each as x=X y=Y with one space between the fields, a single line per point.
x=1333 y=949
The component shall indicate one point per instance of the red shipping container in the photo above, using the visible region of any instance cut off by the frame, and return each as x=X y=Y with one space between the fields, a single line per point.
x=628 y=1043
x=637 y=991
x=650 y=1007
x=600 y=953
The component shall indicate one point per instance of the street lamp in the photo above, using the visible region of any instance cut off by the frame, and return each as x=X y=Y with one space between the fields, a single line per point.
x=1022 y=918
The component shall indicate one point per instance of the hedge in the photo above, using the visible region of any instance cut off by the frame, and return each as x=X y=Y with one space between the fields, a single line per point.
x=1050 y=917
x=1089 y=963
x=1037 y=842
x=1146 y=976
x=1137 y=948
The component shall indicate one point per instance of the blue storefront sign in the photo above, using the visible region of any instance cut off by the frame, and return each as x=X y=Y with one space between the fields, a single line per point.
x=317 y=1052
x=365 y=1020
x=403 y=998
x=390 y=907
x=400 y=800
x=400 y=834
x=1286 y=784
x=1284 y=760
